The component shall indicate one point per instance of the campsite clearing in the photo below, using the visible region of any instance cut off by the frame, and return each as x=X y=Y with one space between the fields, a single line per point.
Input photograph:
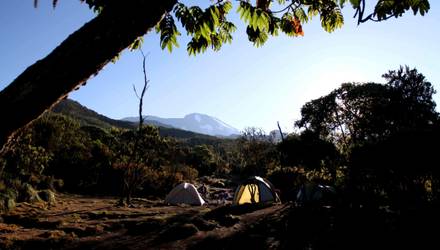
x=79 y=222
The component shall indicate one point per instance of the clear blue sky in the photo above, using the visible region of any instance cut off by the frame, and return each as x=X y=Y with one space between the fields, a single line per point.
x=241 y=85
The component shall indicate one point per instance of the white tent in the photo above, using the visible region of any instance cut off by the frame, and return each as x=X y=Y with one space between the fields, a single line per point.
x=255 y=190
x=184 y=193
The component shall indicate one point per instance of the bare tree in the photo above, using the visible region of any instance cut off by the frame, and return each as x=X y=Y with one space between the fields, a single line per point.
x=134 y=170
x=281 y=132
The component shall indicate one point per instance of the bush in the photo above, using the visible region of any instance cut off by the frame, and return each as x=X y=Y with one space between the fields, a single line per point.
x=29 y=194
x=188 y=173
x=8 y=197
x=7 y=202
x=287 y=180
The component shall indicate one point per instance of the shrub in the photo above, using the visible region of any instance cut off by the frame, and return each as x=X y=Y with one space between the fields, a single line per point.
x=188 y=173
x=287 y=180
x=7 y=198
x=29 y=194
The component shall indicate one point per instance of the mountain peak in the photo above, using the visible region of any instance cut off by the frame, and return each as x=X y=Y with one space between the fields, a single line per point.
x=198 y=117
x=209 y=125
x=199 y=123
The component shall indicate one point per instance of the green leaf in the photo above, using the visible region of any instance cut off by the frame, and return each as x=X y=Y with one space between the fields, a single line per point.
x=286 y=26
x=205 y=31
x=274 y=25
x=301 y=15
x=332 y=20
x=136 y=44
x=168 y=33
x=215 y=15
x=257 y=37
x=197 y=45
x=227 y=6
x=246 y=12
x=311 y=12
x=355 y=3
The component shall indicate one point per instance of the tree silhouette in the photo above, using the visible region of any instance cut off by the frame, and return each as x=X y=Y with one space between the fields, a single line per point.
x=412 y=97
x=308 y=151
x=359 y=113
x=387 y=132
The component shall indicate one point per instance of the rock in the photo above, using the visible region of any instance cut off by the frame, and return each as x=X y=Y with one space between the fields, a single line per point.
x=47 y=196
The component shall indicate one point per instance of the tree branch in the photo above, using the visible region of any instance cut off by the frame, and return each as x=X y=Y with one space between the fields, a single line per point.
x=144 y=89
x=83 y=54
x=360 y=14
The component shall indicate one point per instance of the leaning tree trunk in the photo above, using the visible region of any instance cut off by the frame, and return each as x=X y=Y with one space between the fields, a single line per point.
x=83 y=54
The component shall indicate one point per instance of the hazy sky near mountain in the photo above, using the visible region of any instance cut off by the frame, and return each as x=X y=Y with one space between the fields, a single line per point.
x=241 y=85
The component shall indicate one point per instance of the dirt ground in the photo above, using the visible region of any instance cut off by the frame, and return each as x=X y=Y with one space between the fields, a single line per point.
x=80 y=222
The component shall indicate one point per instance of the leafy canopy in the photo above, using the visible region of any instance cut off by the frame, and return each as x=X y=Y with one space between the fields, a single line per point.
x=210 y=28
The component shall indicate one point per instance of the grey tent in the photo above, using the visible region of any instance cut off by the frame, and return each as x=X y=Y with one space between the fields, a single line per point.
x=312 y=193
x=184 y=193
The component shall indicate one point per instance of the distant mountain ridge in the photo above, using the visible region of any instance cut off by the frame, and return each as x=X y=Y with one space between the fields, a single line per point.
x=88 y=117
x=195 y=122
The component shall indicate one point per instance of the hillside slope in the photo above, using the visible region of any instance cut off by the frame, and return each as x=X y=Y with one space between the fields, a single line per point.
x=88 y=117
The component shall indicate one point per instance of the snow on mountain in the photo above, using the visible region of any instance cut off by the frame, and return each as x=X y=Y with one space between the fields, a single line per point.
x=195 y=122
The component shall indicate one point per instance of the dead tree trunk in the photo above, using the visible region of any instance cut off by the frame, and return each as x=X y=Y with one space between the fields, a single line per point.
x=132 y=176
x=281 y=132
x=83 y=54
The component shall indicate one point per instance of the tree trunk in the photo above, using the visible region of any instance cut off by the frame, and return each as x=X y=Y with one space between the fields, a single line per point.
x=83 y=54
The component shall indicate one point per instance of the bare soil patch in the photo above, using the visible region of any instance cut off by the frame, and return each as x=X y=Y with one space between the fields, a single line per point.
x=80 y=222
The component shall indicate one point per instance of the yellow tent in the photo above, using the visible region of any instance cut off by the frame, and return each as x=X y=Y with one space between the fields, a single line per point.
x=255 y=190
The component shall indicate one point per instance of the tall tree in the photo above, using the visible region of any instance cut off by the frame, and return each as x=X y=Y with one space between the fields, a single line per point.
x=387 y=133
x=367 y=113
x=413 y=95
x=121 y=24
